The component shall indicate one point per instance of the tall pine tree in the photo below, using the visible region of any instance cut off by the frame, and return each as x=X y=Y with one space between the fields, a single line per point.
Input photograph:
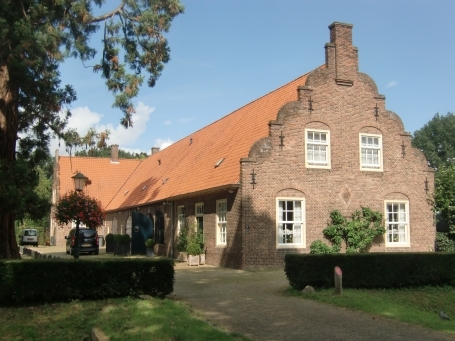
x=35 y=37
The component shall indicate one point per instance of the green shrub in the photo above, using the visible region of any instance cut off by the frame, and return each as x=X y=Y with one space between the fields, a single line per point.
x=182 y=239
x=125 y=239
x=150 y=243
x=51 y=280
x=109 y=237
x=117 y=238
x=195 y=244
x=357 y=233
x=371 y=270
x=444 y=242
x=319 y=247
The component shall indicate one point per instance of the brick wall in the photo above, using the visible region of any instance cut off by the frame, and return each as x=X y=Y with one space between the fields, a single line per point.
x=346 y=108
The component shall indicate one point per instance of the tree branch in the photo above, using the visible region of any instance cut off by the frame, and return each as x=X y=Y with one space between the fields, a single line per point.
x=118 y=10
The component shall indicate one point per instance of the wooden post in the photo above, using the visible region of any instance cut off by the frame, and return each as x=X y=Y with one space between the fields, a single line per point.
x=338 y=276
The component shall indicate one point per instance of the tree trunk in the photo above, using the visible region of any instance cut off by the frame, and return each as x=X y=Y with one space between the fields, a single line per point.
x=8 y=134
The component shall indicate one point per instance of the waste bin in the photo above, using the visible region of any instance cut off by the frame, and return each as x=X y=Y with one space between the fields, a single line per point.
x=101 y=240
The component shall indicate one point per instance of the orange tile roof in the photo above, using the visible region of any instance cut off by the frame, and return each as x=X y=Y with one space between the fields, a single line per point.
x=188 y=165
x=106 y=178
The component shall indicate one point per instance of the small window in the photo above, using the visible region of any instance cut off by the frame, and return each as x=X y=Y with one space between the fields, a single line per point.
x=397 y=223
x=290 y=222
x=221 y=213
x=317 y=148
x=371 y=152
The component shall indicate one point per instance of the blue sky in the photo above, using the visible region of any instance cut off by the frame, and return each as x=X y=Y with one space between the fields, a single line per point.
x=227 y=53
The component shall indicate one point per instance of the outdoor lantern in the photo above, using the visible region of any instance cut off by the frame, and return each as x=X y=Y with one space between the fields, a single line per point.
x=79 y=181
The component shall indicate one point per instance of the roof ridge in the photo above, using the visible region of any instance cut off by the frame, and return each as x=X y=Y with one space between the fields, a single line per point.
x=247 y=104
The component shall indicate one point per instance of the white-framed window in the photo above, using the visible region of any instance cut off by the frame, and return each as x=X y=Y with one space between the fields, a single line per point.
x=317 y=148
x=199 y=213
x=290 y=219
x=370 y=152
x=221 y=212
x=181 y=218
x=397 y=223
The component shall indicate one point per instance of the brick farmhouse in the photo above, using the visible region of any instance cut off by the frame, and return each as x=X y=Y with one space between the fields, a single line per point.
x=262 y=181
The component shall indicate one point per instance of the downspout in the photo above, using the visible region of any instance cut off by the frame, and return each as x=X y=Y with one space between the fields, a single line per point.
x=172 y=229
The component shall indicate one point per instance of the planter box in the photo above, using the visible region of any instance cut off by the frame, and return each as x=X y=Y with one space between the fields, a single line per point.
x=193 y=260
x=182 y=257
x=202 y=259
x=150 y=252
x=110 y=246
x=122 y=249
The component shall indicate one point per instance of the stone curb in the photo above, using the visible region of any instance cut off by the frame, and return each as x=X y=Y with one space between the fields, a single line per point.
x=34 y=254
x=98 y=335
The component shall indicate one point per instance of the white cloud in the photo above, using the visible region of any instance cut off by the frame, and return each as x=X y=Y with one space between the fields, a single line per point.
x=163 y=143
x=83 y=119
x=167 y=123
x=392 y=84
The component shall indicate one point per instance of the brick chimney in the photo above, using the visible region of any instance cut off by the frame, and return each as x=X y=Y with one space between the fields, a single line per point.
x=340 y=56
x=114 y=153
x=155 y=150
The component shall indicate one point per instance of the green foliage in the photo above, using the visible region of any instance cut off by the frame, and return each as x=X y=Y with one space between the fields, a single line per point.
x=195 y=244
x=125 y=239
x=150 y=243
x=18 y=183
x=437 y=140
x=444 y=242
x=35 y=37
x=117 y=238
x=371 y=270
x=131 y=277
x=77 y=206
x=182 y=239
x=109 y=237
x=106 y=152
x=319 y=247
x=357 y=233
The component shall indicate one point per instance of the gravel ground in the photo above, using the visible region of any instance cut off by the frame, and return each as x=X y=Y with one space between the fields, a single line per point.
x=250 y=303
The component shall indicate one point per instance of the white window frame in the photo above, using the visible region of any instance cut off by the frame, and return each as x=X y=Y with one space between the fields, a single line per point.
x=181 y=218
x=371 y=167
x=221 y=222
x=279 y=224
x=399 y=220
x=317 y=164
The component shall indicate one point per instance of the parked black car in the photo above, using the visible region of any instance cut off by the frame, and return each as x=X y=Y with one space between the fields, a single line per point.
x=88 y=241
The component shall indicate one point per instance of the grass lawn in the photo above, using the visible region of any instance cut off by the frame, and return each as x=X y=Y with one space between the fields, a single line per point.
x=120 y=319
x=420 y=306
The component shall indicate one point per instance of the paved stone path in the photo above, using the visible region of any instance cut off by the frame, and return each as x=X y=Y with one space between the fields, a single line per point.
x=250 y=304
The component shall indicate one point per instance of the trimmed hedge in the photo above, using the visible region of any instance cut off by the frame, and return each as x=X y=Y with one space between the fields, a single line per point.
x=49 y=280
x=371 y=270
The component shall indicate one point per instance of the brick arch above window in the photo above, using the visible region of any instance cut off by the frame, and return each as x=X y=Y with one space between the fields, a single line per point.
x=317 y=125
x=396 y=196
x=290 y=192
x=371 y=130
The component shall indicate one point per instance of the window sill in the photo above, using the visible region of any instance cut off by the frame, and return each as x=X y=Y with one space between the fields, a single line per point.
x=221 y=246
x=290 y=246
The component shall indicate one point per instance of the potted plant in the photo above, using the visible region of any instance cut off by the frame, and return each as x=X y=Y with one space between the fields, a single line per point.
x=182 y=244
x=150 y=244
x=122 y=245
x=195 y=248
x=109 y=243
